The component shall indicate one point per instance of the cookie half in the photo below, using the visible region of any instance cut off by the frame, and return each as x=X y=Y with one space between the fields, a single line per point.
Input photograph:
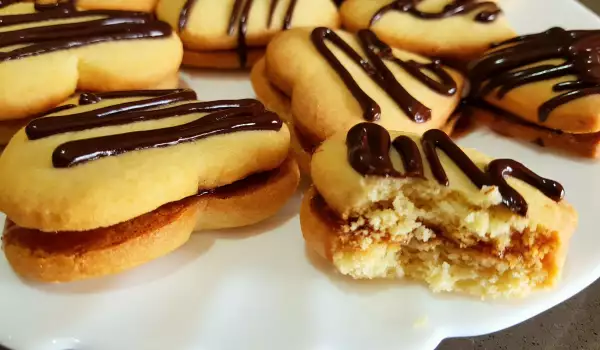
x=401 y=205
x=435 y=28
x=543 y=88
x=234 y=33
x=50 y=51
x=108 y=159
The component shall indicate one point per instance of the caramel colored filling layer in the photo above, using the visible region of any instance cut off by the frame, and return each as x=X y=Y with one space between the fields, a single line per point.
x=72 y=242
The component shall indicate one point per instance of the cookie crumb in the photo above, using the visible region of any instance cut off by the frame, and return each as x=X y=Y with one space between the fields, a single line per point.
x=421 y=322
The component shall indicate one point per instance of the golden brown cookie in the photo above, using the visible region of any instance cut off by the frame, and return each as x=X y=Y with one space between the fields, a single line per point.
x=436 y=28
x=543 y=87
x=96 y=50
x=233 y=33
x=401 y=205
x=314 y=81
x=106 y=159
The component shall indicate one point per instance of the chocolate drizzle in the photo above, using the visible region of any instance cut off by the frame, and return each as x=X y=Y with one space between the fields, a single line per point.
x=508 y=66
x=368 y=153
x=224 y=117
x=112 y=25
x=374 y=66
x=239 y=20
x=488 y=14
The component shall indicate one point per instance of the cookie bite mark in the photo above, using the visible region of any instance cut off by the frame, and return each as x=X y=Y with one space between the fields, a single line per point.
x=449 y=217
x=550 y=80
x=489 y=10
x=377 y=52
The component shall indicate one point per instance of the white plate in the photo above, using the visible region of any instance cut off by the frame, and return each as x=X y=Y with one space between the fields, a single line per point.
x=258 y=288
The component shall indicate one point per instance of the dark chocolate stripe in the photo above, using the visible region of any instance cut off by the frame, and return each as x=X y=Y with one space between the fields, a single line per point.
x=368 y=153
x=368 y=150
x=239 y=18
x=119 y=114
x=113 y=25
x=225 y=116
x=508 y=66
x=456 y=7
x=235 y=119
x=375 y=67
x=95 y=97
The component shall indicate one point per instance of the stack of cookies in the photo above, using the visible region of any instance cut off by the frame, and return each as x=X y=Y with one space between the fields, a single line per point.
x=111 y=165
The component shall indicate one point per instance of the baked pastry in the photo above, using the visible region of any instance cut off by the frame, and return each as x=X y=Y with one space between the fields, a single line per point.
x=430 y=211
x=326 y=81
x=234 y=33
x=543 y=88
x=129 y=5
x=49 y=51
x=460 y=29
x=116 y=179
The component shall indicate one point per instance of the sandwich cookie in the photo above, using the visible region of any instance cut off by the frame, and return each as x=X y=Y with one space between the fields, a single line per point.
x=542 y=88
x=393 y=205
x=112 y=180
x=325 y=81
x=234 y=33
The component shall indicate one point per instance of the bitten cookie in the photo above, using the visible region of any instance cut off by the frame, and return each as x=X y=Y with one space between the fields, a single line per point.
x=112 y=180
x=543 y=88
x=326 y=81
x=440 y=28
x=401 y=205
x=234 y=33
x=47 y=52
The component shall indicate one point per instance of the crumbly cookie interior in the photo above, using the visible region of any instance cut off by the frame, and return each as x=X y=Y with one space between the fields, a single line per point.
x=419 y=229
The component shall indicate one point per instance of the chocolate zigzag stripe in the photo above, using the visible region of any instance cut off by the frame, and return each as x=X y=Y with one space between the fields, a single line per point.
x=239 y=18
x=225 y=116
x=509 y=66
x=368 y=153
x=374 y=66
x=49 y=37
x=457 y=7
